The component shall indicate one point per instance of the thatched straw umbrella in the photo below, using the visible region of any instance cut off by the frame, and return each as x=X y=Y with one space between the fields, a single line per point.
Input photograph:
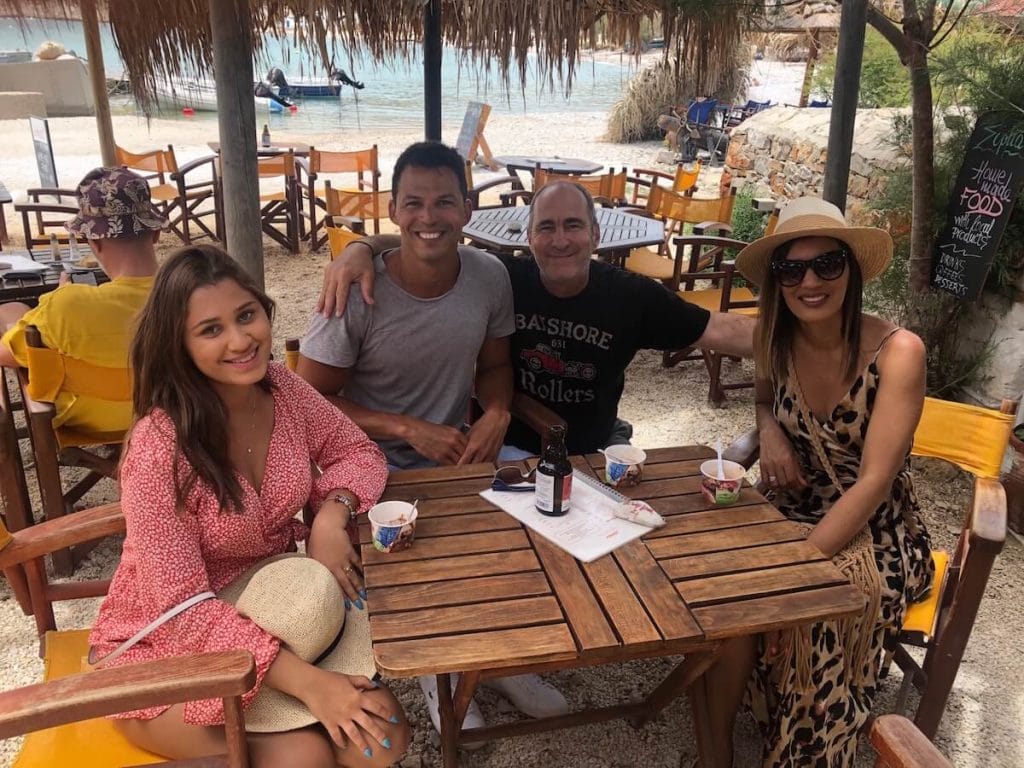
x=174 y=37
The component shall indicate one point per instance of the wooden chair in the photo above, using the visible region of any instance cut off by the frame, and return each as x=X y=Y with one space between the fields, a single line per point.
x=342 y=230
x=363 y=164
x=44 y=214
x=17 y=507
x=476 y=191
x=899 y=744
x=65 y=715
x=279 y=211
x=365 y=206
x=49 y=373
x=173 y=195
x=607 y=188
x=974 y=439
x=683 y=180
x=677 y=211
x=723 y=294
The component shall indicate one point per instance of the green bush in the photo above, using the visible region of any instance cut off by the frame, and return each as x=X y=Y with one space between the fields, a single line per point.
x=747 y=223
x=884 y=81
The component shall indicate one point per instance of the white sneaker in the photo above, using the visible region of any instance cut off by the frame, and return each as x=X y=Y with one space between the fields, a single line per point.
x=530 y=695
x=474 y=717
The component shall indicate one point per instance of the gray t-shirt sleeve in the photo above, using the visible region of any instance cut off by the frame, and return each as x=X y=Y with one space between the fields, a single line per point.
x=501 y=322
x=336 y=341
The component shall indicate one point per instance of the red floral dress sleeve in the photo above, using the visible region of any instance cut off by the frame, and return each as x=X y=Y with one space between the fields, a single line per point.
x=346 y=456
x=165 y=549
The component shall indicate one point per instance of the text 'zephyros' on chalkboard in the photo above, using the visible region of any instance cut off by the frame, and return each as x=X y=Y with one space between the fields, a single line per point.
x=980 y=205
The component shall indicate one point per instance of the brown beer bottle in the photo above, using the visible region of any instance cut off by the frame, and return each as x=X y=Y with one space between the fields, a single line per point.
x=554 y=476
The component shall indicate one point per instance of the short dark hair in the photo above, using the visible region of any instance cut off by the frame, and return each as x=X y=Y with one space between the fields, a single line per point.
x=587 y=198
x=431 y=154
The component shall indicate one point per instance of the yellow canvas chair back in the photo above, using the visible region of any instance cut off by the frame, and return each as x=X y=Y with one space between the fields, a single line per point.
x=973 y=438
x=50 y=372
x=611 y=185
x=686 y=177
x=361 y=205
x=360 y=161
x=154 y=161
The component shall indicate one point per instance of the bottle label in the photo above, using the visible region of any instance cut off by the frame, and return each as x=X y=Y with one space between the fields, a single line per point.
x=551 y=497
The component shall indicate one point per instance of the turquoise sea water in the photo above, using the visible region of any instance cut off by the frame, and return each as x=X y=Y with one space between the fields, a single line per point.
x=393 y=92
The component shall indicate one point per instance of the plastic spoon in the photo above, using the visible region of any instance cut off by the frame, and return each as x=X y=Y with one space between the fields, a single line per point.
x=721 y=466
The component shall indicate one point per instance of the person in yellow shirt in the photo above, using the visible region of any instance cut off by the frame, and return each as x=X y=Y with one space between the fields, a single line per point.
x=95 y=324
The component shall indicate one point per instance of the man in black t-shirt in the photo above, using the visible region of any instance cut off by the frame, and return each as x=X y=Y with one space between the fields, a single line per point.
x=579 y=322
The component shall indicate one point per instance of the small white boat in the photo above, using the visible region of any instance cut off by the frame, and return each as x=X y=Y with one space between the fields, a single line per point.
x=199 y=95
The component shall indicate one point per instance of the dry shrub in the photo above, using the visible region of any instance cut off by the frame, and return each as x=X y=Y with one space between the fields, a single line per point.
x=634 y=117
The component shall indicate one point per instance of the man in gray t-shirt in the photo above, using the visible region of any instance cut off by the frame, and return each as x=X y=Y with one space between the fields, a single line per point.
x=405 y=368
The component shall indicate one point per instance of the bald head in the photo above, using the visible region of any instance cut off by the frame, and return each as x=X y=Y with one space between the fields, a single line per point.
x=554 y=186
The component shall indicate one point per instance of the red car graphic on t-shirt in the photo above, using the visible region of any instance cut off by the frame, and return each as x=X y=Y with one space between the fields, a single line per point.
x=543 y=358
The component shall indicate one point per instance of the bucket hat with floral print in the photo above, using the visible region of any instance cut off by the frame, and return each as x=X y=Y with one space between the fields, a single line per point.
x=114 y=202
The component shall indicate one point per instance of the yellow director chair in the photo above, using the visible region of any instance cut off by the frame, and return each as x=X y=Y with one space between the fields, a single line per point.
x=975 y=440
x=65 y=715
x=49 y=374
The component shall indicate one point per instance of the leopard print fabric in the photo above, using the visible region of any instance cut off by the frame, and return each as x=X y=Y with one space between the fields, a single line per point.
x=819 y=727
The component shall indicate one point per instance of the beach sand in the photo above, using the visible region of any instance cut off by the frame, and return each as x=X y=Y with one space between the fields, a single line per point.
x=666 y=406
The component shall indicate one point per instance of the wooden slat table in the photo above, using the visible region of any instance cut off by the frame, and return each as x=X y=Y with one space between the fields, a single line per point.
x=28 y=289
x=481 y=594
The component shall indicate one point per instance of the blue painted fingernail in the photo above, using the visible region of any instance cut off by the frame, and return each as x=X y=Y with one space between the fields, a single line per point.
x=362 y=593
x=348 y=603
x=358 y=604
x=368 y=752
x=393 y=719
x=386 y=743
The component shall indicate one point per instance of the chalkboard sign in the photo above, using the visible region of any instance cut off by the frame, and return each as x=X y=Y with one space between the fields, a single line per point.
x=44 y=152
x=471 y=135
x=980 y=205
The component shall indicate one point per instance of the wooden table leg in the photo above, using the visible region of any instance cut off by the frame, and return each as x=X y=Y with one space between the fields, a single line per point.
x=702 y=724
x=682 y=677
x=464 y=692
x=449 y=727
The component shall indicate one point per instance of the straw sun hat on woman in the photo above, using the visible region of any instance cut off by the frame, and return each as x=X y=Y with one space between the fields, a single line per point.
x=813 y=217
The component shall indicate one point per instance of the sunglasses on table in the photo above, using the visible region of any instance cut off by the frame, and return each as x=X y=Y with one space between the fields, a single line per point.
x=512 y=479
x=827 y=266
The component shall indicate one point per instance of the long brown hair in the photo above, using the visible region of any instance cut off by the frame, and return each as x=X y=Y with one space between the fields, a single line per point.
x=773 y=339
x=165 y=376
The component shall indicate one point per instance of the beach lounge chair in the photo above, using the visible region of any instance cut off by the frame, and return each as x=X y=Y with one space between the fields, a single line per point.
x=65 y=715
x=185 y=203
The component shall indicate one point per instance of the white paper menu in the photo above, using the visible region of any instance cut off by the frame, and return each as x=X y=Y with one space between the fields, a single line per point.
x=587 y=531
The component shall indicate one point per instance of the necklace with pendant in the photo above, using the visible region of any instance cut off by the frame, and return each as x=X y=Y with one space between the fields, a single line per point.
x=252 y=431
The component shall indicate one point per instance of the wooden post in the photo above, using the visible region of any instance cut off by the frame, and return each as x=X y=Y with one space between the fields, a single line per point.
x=231 y=27
x=814 y=47
x=432 y=47
x=845 y=93
x=94 y=50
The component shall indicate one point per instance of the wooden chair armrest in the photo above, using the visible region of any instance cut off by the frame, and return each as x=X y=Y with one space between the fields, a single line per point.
x=45 y=208
x=510 y=198
x=745 y=449
x=516 y=183
x=900 y=744
x=354 y=223
x=652 y=173
x=121 y=689
x=191 y=165
x=988 y=515
x=51 y=191
x=709 y=227
x=60 y=532
x=534 y=414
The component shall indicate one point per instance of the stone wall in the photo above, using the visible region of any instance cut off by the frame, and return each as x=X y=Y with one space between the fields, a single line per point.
x=783 y=149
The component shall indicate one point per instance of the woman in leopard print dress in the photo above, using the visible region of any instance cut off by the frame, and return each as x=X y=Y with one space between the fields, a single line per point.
x=839 y=394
